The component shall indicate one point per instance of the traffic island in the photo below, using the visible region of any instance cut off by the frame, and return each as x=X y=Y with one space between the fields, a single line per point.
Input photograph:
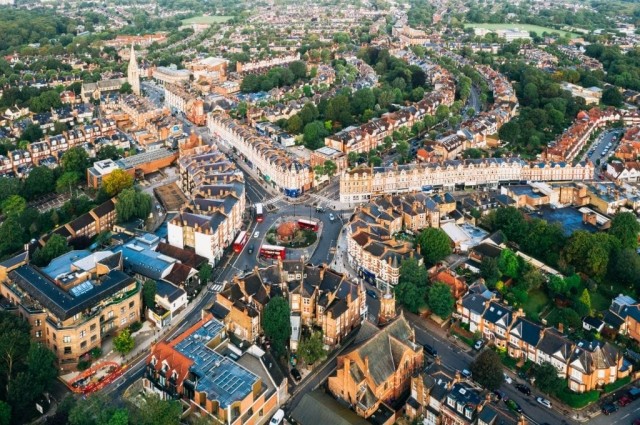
x=298 y=236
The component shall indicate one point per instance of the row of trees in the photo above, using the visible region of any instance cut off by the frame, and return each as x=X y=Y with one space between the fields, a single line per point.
x=275 y=77
x=27 y=370
x=599 y=255
x=545 y=109
x=414 y=290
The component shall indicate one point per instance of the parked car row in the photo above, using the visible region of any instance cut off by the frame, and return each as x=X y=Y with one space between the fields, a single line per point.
x=622 y=401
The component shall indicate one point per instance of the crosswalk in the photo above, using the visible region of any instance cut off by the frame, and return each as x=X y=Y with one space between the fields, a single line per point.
x=217 y=287
x=273 y=201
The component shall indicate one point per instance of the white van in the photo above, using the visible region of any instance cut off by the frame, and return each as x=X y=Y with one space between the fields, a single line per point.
x=277 y=418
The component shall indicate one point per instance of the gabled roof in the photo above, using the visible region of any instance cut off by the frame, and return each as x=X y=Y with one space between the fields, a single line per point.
x=527 y=331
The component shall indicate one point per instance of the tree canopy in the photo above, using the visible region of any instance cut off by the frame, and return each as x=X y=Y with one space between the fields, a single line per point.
x=441 y=300
x=411 y=290
x=487 y=370
x=132 y=204
x=116 y=182
x=435 y=245
x=276 y=323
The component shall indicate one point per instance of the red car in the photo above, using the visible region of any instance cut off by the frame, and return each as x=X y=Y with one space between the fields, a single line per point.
x=624 y=400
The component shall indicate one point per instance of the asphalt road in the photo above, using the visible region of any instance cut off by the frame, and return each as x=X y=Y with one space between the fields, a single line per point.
x=599 y=146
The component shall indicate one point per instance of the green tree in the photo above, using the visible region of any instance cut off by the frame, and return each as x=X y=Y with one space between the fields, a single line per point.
x=362 y=100
x=441 y=300
x=509 y=264
x=67 y=182
x=532 y=279
x=277 y=324
x=583 y=305
x=55 y=247
x=40 y=181
x=308 y=113
x=149 y=290
x=487 y=370
x=132 y=204
x=5 y=413
x=611 y=96
x=411 y=290
x=125 y=88
x=314 y=134
x=116 y=181
x=626 y=268
x=294 y=124
x=41 y=368
x=14 y=346
x=489 y=271
x=625 y=227
x=14 y=205
x=402 y=147
x=205 y=273
x=158 y=412
x=32 y=133
x=119 y=417
x=330 y=168
x=75 y=160
x=547 y=379
x=9 y=186
x=311 y=349
x=12 y=235
x=123 y=343
x=107 y=152
x=339 y=110
x=434 y=244
x=299 y=69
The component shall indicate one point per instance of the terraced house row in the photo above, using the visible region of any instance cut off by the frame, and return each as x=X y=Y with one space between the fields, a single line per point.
x=370 y=135
x=209 y=221
x=362 y=183
x=289 y=174
x=586 y=365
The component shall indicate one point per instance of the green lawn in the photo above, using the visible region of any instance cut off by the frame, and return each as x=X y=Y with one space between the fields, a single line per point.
x=206 y=20
x=538 y=29
x=536 y=302
x=599 y=302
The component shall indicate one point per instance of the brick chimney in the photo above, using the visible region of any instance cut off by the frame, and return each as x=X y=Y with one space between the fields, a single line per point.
x=561 y=327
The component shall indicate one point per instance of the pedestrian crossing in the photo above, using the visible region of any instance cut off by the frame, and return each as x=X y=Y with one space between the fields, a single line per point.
x=273 y=200
x=217 y=287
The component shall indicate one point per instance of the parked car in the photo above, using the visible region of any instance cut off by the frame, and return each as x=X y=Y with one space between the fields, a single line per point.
x=251 y=248
x=277 y=418
x=522 y=375
x=624 y=400
x=634 y=393
x=430 y=350
x=296 y=374
x=523 y=389
x=319 y=209
x=332 y=217
x=609 y=408
x=507 y=378
x=372 y=293
x=466 y=373
x=478 y=345
x=546 y=403
x=511 y=404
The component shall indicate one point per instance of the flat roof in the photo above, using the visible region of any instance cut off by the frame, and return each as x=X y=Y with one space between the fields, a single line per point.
x=141 y=259
x=143 y=158
x=67 y=304
x=219 y=377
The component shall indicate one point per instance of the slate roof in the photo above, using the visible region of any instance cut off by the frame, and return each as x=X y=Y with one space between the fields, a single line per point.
x=168 y=291
x=318 y=407
x=474 y=303
x=554 y=344
x=384 y=348
x=527 y=331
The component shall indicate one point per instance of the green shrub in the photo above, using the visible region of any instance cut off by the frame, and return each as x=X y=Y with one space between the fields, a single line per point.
x=577 y=400
x=135 y=327
x=618 y=384
x=84 y=365
x=96 y=353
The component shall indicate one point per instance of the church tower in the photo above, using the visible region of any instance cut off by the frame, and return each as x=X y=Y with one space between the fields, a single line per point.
x=387 y=307
x=133 y=73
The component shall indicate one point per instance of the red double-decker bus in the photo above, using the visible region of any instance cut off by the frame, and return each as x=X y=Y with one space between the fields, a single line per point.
x=273 y=251
x=259 y=213
x=308 y=224
x=240 y=241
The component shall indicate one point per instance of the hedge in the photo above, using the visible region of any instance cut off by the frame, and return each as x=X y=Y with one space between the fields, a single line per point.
x=616 y=385
x=577 y=400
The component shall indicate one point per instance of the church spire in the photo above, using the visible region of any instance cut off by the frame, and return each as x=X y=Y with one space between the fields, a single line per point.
x=133 y=72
